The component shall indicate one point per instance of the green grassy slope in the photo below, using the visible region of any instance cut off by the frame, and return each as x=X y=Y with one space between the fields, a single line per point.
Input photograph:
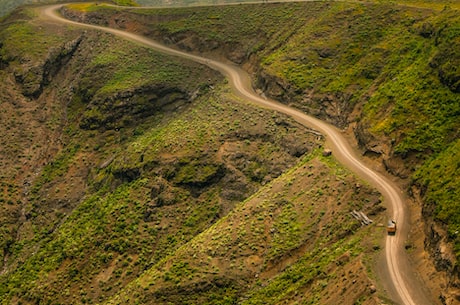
x=126 y=156
x=390 y=69
x=290 y=242
x=132 y=182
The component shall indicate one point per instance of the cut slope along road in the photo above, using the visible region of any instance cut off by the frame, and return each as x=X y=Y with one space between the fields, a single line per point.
x=401 y=285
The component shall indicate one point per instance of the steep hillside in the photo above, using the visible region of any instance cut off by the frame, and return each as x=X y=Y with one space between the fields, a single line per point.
x=131 y=175
x=292 y=241
x=387 y=73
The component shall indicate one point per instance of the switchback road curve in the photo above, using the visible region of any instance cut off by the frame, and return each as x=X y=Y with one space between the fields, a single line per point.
x=402 y=288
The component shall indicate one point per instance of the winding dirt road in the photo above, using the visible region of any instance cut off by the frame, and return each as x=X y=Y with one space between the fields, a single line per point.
x=401 y=284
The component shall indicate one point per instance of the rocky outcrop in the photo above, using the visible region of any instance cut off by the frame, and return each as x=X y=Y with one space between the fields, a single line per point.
x=127 y=107
x=84 y=18
x=370 y=145
x=3 y=61
x=34 y=77
x=442 y=255
x=334 y=108
x=437 y=244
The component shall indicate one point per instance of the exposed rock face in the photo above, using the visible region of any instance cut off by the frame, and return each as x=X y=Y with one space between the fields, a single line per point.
x=77 y=16
x=3 y=61
x=272 y=86
x=334 y=108
x=34 y=77
x=367 y=141
x=127 y=107
x=436 y=242
x=441 y=251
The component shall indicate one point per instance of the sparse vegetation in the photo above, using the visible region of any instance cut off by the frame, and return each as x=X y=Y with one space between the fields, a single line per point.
x=134 y=181
x=398 y=58
x=279 y=230
x=398 y=63
x=135 y=177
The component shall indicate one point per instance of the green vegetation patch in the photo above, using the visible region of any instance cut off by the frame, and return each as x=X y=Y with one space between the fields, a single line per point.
x=96 y=6
x=126 y=2
x=309 y=271
x=22 y=39
x=283 y=227
x=86 y=7
x=441 y=186
x=127 y=66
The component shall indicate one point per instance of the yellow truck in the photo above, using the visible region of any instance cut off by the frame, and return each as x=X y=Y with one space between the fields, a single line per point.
x=391 y=227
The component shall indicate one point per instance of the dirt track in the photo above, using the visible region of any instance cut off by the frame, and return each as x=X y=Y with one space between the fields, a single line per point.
x=402 y=286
